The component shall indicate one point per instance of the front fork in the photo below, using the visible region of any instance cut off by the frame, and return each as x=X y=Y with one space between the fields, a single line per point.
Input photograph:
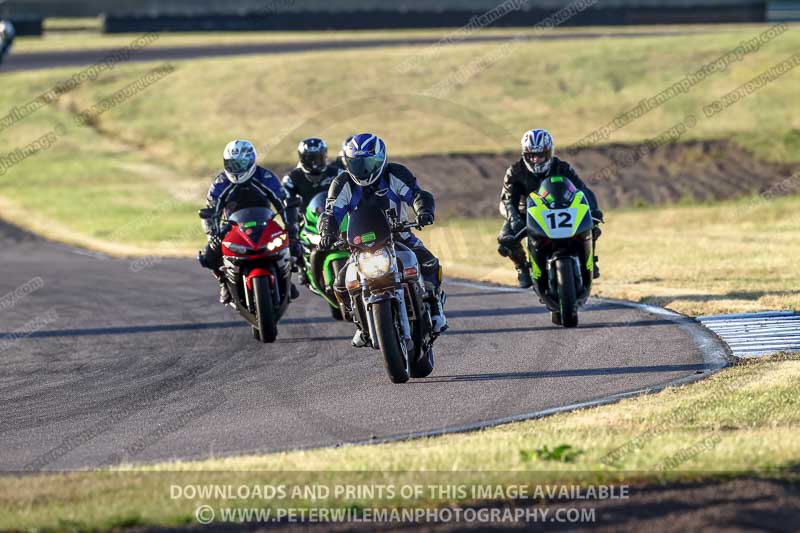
x=543 y=271
x=397 y=297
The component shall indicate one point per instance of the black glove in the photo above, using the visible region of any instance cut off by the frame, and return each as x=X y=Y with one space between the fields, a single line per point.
x=425 y=218
x=597 y=215
x=327 y=240
x=201 y=258
x=214 y=241
x=516 y=224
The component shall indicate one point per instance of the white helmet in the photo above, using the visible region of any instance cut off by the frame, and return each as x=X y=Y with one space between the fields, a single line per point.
x=537 y=150
x=239 y=158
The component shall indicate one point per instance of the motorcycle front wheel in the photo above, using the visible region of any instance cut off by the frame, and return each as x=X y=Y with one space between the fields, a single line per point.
x=265 y=312
x=389 y=340
x=567 y=292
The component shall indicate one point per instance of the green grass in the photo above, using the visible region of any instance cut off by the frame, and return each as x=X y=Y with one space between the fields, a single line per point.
x=161 y=147
x=742 y=421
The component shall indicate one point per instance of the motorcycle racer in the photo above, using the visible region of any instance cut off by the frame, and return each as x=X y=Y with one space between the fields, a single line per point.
x=312 y=174
x=524 y=177
x=240 y=185
x=370 y=178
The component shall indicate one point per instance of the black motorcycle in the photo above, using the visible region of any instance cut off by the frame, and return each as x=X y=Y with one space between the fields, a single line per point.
x=387 y=294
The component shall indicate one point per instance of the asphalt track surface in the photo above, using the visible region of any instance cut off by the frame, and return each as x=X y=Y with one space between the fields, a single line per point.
x=46 y=60
x=112 y=360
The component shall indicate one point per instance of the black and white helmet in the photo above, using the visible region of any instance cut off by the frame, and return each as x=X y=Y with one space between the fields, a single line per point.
x=313 y=155
x=537 y=151
x=239 y=158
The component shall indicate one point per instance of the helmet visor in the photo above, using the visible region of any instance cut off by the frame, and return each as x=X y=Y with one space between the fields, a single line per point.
x=240 y=165
x=364 y=169
x=536 y=158
x=313 y=160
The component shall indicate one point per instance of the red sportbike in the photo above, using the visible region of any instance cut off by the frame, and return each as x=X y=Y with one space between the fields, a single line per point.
x=257 y=268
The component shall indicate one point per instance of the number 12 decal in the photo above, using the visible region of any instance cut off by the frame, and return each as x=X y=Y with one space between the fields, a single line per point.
x=565 y=219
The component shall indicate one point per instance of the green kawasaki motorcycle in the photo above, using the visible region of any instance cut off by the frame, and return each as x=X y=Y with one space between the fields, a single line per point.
x=560 y=249
x=321 y=266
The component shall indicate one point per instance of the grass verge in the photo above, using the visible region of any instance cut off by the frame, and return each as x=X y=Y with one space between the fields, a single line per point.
x=741 y=421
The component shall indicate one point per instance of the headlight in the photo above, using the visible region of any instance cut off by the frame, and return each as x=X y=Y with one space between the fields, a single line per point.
x=276 y=243
x=237 y=248
x=374 y=265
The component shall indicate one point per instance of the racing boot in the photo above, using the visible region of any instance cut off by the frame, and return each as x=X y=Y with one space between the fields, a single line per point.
x=303 y=277
x=224 y=293
x=437 y=312
x=358 y=339
x=520 y=260
x=596 y=232
x=524 y=276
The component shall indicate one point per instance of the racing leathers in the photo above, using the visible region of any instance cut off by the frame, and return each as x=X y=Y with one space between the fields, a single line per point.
x=395 y=190
x=224 y=197
x=305 y=185
x=518 y=183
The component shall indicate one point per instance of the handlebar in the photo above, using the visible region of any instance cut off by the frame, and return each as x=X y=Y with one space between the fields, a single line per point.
x=401 y=227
